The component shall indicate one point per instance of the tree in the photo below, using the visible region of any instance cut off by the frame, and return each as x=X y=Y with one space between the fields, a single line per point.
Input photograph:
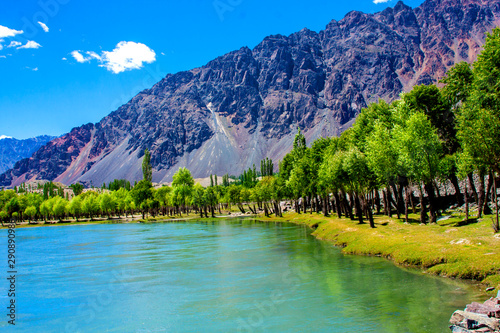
x=75 y=207
x=107 y=203
x=198 y=198
x=30 y=212
x=421 y=150
x=183 y=182
x=479 y=119
x=140 y=193
x=299 y=145
x=90 y=205
x=211 y=199
x=59 y=207
x=147 y=169
x=77 y=188
x=458 y=80
x=361 y=180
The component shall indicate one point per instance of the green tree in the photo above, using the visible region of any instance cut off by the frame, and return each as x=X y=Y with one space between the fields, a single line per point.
x=140 y=193
x=59 y=208
x=90 y=205
x=211 y=199
x=420 y=151
x=75 y=207
x=479 y=119
x=198 y=198
x=107 y=203
x=30 y=213
x=147 y=169
x=183 y=182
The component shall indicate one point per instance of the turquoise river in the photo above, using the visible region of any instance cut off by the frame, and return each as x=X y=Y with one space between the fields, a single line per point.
x=234 y=275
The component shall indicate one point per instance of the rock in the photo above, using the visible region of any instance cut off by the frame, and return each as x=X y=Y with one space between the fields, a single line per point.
x=490 y=288
x=470 y=320
x=13 y=150
x=491 y=310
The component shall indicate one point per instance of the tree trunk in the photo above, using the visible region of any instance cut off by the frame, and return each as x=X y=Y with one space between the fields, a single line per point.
x=370 y=215
x=297 y=206
x=407 y=199
x=412 y=201
x=392 y=201
x=466 y=197
x=347 y=205
x=480 y=196
x=458 y=195
x=472 y=187
x=497 y=227
x=429 y=188
x=422 y=206
x=488 y=197
x=387 y=202
x=337 y=204
x=325 y=206
x=359 y=211
x=377 y=201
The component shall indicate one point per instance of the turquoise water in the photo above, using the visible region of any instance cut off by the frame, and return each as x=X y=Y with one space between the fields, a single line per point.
x=227 y=276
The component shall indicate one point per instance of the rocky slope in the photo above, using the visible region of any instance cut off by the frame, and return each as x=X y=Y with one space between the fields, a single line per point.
x=13 y=150
x=246 y=105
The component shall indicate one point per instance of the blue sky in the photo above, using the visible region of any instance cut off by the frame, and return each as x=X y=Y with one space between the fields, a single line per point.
x=65 y=63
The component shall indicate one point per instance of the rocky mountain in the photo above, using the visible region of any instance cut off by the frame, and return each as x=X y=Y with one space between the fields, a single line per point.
x=246 y=105
x=13 y=150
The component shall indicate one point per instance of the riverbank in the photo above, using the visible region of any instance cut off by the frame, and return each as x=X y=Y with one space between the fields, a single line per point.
x=130 y=219
x=450 y=248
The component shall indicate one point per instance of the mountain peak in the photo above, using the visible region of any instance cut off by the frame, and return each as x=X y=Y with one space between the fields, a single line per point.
x=246 y=105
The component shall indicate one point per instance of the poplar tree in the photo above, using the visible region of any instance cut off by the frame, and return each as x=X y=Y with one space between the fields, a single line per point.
x=147 y=170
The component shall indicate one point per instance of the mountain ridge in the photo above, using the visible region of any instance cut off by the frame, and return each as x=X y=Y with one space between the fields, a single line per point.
x=246 y=105
x=13 y=150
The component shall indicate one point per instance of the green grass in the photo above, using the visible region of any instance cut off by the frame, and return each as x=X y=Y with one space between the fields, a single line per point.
x=449 y=248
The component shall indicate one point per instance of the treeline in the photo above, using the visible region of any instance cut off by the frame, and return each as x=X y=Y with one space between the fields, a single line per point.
x=431 y=135
x=390 y=162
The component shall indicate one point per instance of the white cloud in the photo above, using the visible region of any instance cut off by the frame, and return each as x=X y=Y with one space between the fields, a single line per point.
x=81 y=58
x=35 y=69
x=6 y=32
x=14 y=44
x=5 y=137
x=93 y=55
x=380 y=1
x=30 y=45
x=44 y=26
x=2 y=56
x=64 y=58
x=125 y=56
x=78 y=57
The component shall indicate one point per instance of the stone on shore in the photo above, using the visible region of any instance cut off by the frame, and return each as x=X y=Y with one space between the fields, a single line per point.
x=477 y=317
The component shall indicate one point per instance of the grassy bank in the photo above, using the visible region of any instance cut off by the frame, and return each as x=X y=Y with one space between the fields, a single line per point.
x=449 y=248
